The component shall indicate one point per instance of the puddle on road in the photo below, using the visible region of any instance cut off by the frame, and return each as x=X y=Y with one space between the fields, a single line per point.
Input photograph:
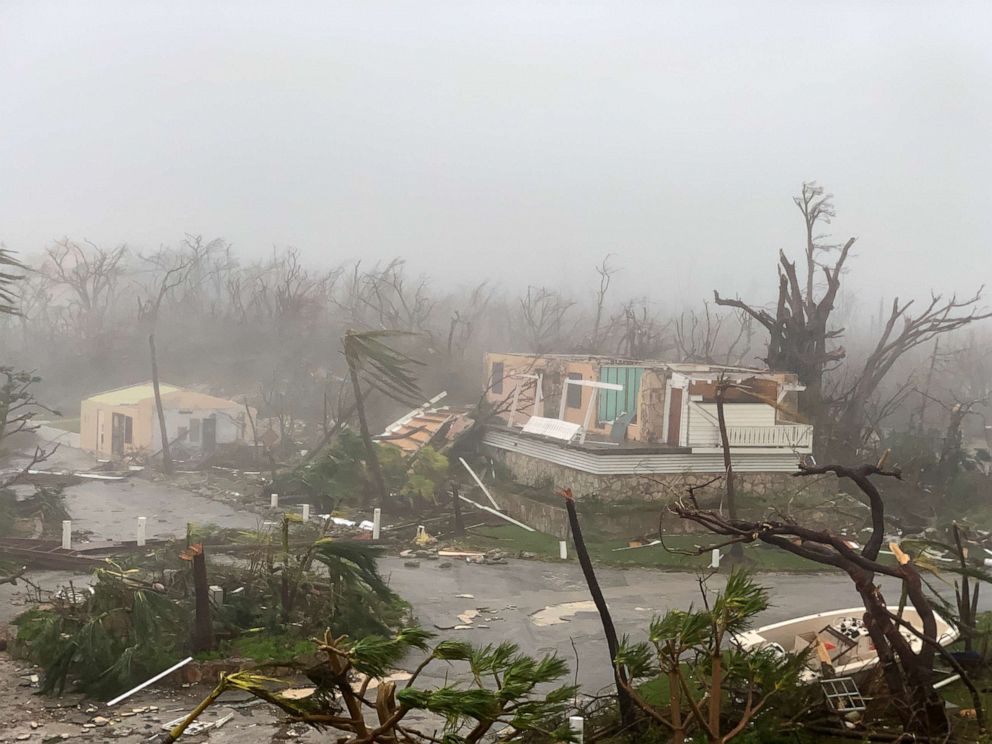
x=561 y=613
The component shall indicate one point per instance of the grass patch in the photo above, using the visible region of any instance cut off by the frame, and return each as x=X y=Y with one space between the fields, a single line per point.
x=273 y=649
x=603 y=551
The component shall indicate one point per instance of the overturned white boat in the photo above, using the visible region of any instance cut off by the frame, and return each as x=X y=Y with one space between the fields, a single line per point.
x=837 y=637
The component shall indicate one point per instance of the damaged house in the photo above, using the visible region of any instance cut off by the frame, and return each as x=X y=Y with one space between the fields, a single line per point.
x=124 y=421
x=621 y=428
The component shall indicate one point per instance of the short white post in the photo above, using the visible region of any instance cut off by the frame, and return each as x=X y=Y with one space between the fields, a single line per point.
x=376 y=523
x=66 y=534
x=274 y=501
x=217 y=595
x=142 y=522
x=715 y=560
x=577 y=725
x=306 y=512
x=563 y=550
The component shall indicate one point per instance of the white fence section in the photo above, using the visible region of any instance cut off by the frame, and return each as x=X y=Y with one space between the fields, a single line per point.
x=799 y=436
x=553 y=428
x=748 y=425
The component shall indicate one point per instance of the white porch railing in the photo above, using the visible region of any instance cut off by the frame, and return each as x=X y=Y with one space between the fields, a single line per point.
x=780 y=435
x=784 y=436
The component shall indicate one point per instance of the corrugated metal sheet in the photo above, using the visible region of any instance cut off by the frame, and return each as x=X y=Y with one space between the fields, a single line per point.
x=631 y=464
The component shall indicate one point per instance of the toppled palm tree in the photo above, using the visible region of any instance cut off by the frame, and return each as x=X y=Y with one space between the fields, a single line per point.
x=372 y=361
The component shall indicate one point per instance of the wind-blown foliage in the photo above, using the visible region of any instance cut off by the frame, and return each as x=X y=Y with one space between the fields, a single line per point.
x=502 y=695
x=373 y=362
x=8 y=297
x=132 y=625
x=688 y=650
x=105 y=640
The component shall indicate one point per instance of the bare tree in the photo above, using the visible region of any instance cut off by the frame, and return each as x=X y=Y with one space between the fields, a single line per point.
x=542 y=313
x=903 y=332
x=18 y=404
x=801 y=337
x=699 y=337
x=908 y=673
x=605 y=272
x=90 y=274
x=641 y=334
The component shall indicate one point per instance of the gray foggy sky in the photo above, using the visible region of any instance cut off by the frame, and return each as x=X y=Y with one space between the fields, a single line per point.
x=522 y=140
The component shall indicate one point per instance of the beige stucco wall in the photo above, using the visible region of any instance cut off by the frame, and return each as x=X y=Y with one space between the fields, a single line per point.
x=144 y=417
x=90 y=421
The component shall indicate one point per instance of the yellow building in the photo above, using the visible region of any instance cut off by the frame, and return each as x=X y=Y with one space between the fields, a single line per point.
x=123 y=421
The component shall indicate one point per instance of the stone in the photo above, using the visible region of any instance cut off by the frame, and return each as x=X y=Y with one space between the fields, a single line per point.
x=411 y=564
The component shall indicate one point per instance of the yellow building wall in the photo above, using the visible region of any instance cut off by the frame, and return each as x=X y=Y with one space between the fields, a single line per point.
x=144 y=419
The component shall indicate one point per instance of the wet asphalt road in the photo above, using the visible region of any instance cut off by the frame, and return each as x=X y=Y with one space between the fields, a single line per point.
x=515 y=591
x=506 y=596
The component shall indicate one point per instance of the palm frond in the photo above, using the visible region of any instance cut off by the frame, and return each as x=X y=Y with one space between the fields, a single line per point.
x=384 y=368
x=8 y=297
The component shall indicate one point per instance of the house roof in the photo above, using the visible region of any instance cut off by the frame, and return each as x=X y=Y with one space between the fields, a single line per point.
x=134 y=394
x=125 y=396
x=424 y=426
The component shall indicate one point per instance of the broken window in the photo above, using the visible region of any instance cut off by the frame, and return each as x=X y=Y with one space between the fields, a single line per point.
x=496 y=377
x=194 y=430
x=573 y=398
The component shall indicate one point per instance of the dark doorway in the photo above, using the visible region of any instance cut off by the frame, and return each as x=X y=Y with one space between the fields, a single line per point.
x=208 y=433
x=121 y=433
x=675 y=416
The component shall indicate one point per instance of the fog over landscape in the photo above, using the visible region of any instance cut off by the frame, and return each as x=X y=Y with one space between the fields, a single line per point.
x=509 y=372
x=539 y=136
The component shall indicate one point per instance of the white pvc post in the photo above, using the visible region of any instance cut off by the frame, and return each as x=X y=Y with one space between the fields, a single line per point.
x=376 y=522
x=142 y=523
x=217 y=595
x=564 y=397
x=563 y=550
x=306 y=512
x=516 y=398
x=577 y=725
x=274 y=501
x=66 y=534
x=480 y=484
x=715 y=560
